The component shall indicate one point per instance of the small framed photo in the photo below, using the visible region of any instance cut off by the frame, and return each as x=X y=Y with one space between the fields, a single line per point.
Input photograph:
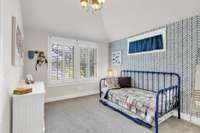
x=116 y=58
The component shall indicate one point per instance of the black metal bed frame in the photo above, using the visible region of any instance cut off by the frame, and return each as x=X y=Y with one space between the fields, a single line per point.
x=162 y=83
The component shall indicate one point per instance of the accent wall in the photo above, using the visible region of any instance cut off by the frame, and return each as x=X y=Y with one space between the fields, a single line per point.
x=181 y=56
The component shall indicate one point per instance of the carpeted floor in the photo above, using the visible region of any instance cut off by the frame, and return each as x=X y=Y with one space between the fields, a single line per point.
x=87 y=115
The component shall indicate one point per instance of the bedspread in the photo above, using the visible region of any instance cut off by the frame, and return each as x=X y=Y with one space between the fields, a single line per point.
x=140 y=102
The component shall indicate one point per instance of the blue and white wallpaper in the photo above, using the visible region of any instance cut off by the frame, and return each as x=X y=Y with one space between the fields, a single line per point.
x=181 y=56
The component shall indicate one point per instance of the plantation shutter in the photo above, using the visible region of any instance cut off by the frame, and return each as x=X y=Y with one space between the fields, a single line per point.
x=88 y=62
x=61 y=62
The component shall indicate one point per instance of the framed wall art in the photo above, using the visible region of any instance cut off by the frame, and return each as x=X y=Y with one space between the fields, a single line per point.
x=17 y=44
x=116 y=58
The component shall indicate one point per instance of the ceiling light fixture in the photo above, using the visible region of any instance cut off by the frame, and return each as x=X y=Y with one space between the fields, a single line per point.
x=92 y=5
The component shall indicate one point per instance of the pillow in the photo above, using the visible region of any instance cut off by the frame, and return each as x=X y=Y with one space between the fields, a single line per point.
x=125 y=82
x=112 y=83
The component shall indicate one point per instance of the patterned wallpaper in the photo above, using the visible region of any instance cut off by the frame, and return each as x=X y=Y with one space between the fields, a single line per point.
x=198 y=58
x=181 y=55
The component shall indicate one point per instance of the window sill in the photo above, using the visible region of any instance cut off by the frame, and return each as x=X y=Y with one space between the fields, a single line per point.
x=82 y=81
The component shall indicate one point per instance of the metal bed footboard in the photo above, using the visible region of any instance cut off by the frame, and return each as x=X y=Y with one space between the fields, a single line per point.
x=165 y=84
x=171 y=102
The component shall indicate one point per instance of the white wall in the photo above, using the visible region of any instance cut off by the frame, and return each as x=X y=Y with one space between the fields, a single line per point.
x=39 y=41
x=9 y=75
x=1 y=70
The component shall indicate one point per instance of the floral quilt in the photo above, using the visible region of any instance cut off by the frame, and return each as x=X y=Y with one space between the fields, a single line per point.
x=140 y=102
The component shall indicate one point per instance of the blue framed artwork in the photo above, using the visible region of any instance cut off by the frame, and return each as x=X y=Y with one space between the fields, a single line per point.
x=150 y=42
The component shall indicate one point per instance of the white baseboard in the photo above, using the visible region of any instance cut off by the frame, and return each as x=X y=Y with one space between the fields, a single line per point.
x=80 y=94
x=186 y=117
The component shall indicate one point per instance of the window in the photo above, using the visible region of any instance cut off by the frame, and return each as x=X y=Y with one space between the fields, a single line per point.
x=88 y=65
x=71 y=60
x=147 y=43
x=61 y=62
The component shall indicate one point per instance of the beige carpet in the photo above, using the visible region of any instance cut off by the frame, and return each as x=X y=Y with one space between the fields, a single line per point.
x=87 y=115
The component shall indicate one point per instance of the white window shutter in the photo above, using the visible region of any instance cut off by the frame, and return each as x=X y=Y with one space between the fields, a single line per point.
x=88 y=62
x=61 y=63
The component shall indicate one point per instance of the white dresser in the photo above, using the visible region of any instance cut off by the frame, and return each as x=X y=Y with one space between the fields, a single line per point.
x=28 y=110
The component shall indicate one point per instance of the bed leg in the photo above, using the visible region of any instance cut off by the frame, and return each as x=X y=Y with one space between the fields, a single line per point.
x=156 y=130
x=157 y=113
x=156 y=125
x=179 y=97
x=179 y=112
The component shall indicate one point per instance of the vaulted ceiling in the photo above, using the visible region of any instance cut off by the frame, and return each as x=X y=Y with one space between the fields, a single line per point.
x=118 y=19
x=64 y=18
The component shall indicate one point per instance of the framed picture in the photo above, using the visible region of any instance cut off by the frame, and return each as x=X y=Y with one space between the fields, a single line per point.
x=116 y=58
x=17 y=44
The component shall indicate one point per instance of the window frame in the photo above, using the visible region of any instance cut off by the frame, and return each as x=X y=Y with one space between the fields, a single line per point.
x=77 y=44
x=61 y=41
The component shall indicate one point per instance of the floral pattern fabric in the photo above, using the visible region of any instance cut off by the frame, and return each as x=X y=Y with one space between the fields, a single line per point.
x=112 y=82
x=136 y=101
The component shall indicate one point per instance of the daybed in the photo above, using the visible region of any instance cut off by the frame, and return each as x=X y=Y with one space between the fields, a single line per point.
x=150 y=100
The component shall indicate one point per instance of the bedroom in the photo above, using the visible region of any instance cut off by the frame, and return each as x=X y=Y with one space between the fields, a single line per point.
x=75 y=51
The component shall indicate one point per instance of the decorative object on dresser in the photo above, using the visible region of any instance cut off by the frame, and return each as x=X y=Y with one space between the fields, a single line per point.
x=116 y=58
x=17 y=44
x=28 y=110
x=29 y=79
x=22 y=90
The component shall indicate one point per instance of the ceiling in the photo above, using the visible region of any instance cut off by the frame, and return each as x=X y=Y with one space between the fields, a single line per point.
x=130 y=17
x=63 y=18
x=117 y=20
